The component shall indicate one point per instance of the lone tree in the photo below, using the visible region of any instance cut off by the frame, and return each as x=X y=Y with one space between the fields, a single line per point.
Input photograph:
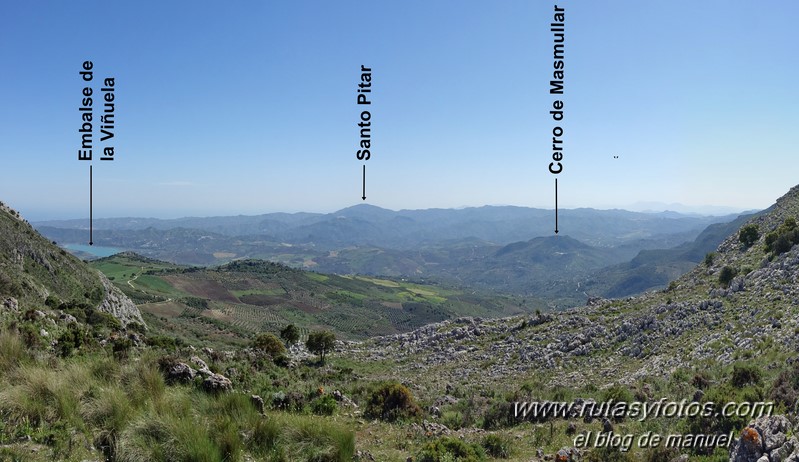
x=269 y=344
x=290 y=334
x=748 y=235
x=321 y=342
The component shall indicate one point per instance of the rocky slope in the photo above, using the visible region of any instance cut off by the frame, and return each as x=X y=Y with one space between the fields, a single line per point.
x=697 y=318
x=35 y=273
x=741 y=304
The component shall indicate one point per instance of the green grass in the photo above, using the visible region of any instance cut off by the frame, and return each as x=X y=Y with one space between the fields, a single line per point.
x=129 y=412
x=156 y=285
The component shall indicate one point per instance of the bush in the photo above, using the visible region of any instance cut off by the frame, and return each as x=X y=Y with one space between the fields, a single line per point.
x=390 y=402
x=76 y=337
x=292 y=401
x=701 y=380
x=52 y=302
x=101 y=319
x=785 y=390
x=161 y=341
x=744 y=374
x=783 y=244
x=121 y=346
x=324 y=405
x=709 y=258
x=618 y=393
x=726 y=274
x=451 y=449
x=499 y=415
x=498 y=446
x=269 y=344
x=783 y=238
x=748 y=235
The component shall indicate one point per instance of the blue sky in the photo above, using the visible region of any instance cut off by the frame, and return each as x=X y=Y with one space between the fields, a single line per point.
x=250 y=108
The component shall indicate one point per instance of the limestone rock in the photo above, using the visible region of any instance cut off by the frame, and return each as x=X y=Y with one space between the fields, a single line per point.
x=217 y=383
x=118 y=304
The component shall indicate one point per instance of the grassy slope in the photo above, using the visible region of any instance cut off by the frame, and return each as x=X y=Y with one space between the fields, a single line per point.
x=31 y=268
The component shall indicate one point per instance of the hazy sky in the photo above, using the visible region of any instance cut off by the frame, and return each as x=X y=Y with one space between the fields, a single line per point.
x=249 y=107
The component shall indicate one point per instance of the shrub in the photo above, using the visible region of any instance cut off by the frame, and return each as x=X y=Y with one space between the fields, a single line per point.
x=161 y=341
x=136 y=327
x=500 y=414
x=744 y=374
x=618 y=393
x=783 y=238
x=52 y=302
x=101 y=319
x=76 y=337
x=292 y=401
x=290 y=334
x=392 y=401
x=748 y=235
x=709 y=258
x=324 y=405
x=451 y=449
x=701 y=380
x=321 y=342
x=121 y=346
x=498 y=446
x=783 y=244
x=8 y=286
x=726 y=274
x=269 y=344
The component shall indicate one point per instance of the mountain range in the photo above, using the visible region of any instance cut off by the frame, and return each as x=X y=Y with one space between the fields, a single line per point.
x=503 y=249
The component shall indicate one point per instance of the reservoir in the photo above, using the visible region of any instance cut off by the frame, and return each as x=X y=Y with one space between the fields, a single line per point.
x=95 y=250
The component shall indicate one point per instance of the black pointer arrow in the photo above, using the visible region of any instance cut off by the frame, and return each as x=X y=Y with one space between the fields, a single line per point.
x=556 y=206
x=91 y=222
x=364 y=183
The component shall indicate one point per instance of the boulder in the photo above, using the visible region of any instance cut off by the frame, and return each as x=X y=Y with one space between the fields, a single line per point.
x=180 y=372
x=258 y=402
x=217 y=383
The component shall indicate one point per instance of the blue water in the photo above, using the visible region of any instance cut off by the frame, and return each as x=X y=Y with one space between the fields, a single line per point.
x=95 y=250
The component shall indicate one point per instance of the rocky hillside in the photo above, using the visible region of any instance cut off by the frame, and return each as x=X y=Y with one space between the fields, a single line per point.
x=696 y=318
x=740 y=306
x=36 y=274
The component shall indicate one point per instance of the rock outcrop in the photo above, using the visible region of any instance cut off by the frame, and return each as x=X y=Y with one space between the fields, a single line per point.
x=118 y=304
x=766 y=440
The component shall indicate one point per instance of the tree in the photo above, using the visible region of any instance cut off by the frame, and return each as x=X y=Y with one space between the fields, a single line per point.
x=269 y=344
x=748 y=235
x=321 y=342
x=290 y=334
